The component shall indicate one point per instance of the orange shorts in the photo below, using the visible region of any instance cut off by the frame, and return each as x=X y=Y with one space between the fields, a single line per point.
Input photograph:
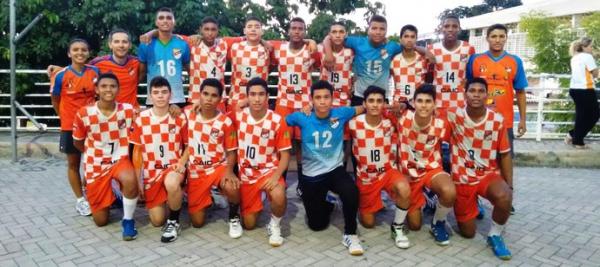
x=283 y=112
x=198 y=189
x=155 y=192
x=465 y=207
x=250 y=195
x=417 y=199
x=99 y=191
x=370 y=194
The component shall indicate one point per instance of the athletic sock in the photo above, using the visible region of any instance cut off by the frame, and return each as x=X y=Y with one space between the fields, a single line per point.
x=80 y=199
x=440 y=212
x=174 y=215
x=129 y=207
x=275 y=220
x=400 y=215
x=496 y=229
x=234 y=210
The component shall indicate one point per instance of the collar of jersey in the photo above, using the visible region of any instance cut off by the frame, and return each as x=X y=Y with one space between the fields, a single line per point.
x=496 y=59
x=76 y=72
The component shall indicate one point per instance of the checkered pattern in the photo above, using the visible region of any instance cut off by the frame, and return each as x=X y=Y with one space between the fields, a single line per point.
x=259 y=143
x=374 y=148
x=450 y=72
x=294 y=76
x=247 y=62
x=475 y=146
x=106 y=138
x=420 y=147
x=161 y=140
x=208 y=142
x=341 y=77
x=206 y=62
x=407 y=76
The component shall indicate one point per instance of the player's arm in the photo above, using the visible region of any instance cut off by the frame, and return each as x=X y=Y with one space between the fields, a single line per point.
x=79 y=144
x=506 y=168
x=137 y=168
x=359 y=110
x=520 y=83
x=55 y=88
x=55 y=103
x=328 y=58
x=142 y=71
x=423 y=51
x=180 y=166
x=230 y=176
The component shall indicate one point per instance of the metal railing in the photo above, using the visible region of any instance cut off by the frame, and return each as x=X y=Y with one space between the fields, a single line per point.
x=540 y=102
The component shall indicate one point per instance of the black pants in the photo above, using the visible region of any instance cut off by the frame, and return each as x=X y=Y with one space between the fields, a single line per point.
x=318 y=210
x=587 y=113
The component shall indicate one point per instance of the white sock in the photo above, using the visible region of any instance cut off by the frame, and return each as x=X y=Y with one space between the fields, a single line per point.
x=275 y=220
x=80 y=199
x=400 y=215
x=496 y=229
x=129 y=207
x=440 y=212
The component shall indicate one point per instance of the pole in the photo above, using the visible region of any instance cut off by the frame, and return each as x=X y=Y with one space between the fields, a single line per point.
x=13 y=89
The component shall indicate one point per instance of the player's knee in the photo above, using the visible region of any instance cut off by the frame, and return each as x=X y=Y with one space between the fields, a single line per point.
x=367 y=221
x=278 y=195
x=403 y=190
x=447 y=193
x=100 y=222
x=502 y=198
x=317 y=225
x=466 y=231
x=249 y=224
x=157 y=222
x=414 y=226
x=467 y=234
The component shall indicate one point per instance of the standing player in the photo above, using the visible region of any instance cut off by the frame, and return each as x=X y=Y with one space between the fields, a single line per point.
x=211 y=157
x=340 y=75
x=374 y=145
x=263 y=155
x=165 y=56
x=70 y=89
x=101 y=132
x=481 y=165
x=158 y=141
x=322 y=159
x=421 y=133
x=408 y=68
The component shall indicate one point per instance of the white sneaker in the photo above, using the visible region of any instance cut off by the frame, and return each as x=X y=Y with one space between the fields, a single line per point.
x=83 y=208
x=235 y=227
x=170 y=231
x=353 y=244
x=274 y=232
x=399 y=237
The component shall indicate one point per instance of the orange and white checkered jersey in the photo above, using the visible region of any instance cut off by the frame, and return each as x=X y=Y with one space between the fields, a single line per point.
x=408 y=75
x=340 y=77
x=450 y=72
x=374 y=147
x=247 y=62
x=106 y=137
x=475 y=145
x=294 y=74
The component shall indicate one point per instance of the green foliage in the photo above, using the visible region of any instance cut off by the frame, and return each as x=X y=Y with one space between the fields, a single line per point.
x=591 y=24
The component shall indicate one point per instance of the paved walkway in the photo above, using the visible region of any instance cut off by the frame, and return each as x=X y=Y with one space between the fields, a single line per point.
x=557 y=223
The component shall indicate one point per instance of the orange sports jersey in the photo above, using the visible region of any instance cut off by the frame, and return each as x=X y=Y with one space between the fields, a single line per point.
x=208 y=142
x=161 y=140
x=375 y=148
x=294 y=74
x=75 y=89
x=106 y=138
x=208 y=62
x=420 y=147
x=247 y=62
x=340 y=77
x=259 y=143
x=504 y=75
x=475 y=146
x=128 y=75
x=407 y=76
x=450 y=71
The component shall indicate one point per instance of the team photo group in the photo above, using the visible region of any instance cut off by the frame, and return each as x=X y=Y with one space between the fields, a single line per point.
x=430 y=126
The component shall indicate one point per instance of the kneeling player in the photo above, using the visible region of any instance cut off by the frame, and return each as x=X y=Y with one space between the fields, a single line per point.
x=421 y=134
x=479 y=143
x=374 y=146
x=158 y=140
x=211 y=156
x=101 y=132
x=264 y=143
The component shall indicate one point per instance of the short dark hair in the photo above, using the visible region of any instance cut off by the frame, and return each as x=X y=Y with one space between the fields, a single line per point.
x=257 y=81
x=107 y=75
x=338 y=23
x=425 y=89
x=159 y=81
x=209 y=20
x=372 y=89
x=496 y=26
x=77 y=40
x=213 y=83
x=118 y=30
x=252 y=18
x=165 y=9
x=377 y=18
x=298 y=19
x=321 y=84
x=408 y=27
x=476 y=80
x=450 y=16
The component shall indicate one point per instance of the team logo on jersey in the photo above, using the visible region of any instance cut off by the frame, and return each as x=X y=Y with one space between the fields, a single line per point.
x=172 y=128
x=384 y=53
x=122 y=124
x=176 y=53
x=464 y=58
x=265 y=133
x=131 y=71
x=214 y=133
x=482 y=68
x=261 y=54
x=487 y=135
x=334 y=123
x=508 y=69
x=431 y=140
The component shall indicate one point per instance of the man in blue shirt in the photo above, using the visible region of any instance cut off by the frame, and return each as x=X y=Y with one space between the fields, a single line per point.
x=165 y=56
x=322 y=160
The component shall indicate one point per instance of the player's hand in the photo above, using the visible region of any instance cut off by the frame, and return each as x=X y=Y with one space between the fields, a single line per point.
x=241 y=104
x=195 y=39
x=522 y=128
x=179 y=167
x=430 y=57
x=141 y=190
x=329 y=62
x=174 y=110
x=196 y=107
x=268 y=47
x=397 y=108
x=52 y=69
x=230 y=177
x=145 y=38
x=312 y=45
x=307 y=110
x=270 y=183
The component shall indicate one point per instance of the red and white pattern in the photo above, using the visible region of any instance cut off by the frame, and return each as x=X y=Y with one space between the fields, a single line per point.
x=206 y=62
x=161 y=140
x=450 y=73
x=375 y=148
x=420 y=148
x=247 y=62
x=259 y=143
x=340 y=77
x=106 y=138
x=407 y=76
x=294 y=75
x=208 y=142
x=475 y=146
